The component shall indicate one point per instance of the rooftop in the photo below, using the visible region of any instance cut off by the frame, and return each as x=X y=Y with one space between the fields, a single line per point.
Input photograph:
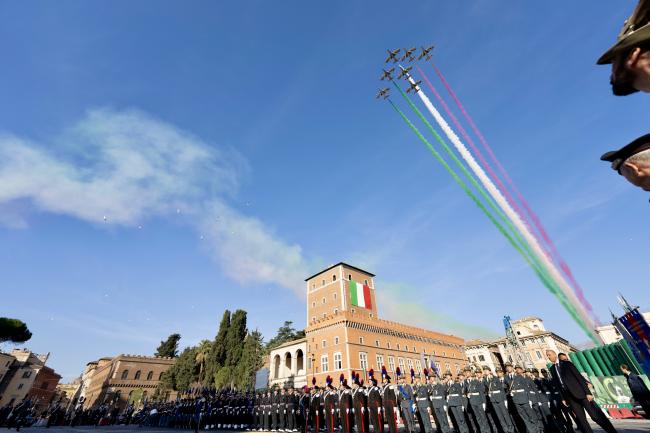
x=339 y=264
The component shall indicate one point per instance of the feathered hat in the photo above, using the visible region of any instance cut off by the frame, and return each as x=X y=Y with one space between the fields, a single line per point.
x=371 y=373
x=398 y=372
x=383 y=372
x=412 y=375
x=328 y=380
x=341 y=378
x=425 y=372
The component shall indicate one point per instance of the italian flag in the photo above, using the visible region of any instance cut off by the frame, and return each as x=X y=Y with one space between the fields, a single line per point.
x=360 y=295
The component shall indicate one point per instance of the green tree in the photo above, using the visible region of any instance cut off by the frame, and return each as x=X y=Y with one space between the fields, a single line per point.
x=183 y=373
x=235 y=338
x=13 y=330
x=217 y=356
x=169 y=347
x=251 y=361
x=286 y=333
x=202 y=355
x=223 y=378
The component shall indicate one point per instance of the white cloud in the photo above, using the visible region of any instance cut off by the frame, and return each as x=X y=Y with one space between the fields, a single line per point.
x=123 y=167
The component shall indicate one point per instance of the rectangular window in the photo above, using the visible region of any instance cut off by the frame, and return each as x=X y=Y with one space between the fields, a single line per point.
x=27 y=374
x=447 y=366
x=415 y=349
x=539 y=354
x=380 y=361
x=418 y=366
x=323 y=363
x=481 y=358
x=363 y=360
x=323 y=343
x=397 y=346
x=338 y=363
x=20 y=386
x=457 y=368
x=336 y=340
x=388 y=345
x=360 y=340
x=400 y=361
x=438 y=367
x=410 y=363
x=376 y=343
x=406 y=348
x=391 y=363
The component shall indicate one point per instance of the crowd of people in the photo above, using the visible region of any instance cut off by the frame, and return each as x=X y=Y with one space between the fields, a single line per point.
x=476 y=400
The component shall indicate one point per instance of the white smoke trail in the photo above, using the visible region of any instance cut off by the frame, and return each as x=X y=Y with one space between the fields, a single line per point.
x=507 y=209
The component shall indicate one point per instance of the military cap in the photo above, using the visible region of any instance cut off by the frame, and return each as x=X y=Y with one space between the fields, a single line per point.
x=635 y=32
x=486 y=368
x=519 y=367
x=508 y=364
x=498 y=370
x=618 y=157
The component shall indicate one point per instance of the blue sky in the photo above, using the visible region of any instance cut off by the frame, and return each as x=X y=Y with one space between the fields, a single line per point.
x=162 y=161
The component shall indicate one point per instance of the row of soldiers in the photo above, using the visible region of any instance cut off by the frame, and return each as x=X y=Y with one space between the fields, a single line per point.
x=474 y=401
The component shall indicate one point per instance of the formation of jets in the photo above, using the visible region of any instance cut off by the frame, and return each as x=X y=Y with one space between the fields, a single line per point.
x=409 y=54
x=393 y=55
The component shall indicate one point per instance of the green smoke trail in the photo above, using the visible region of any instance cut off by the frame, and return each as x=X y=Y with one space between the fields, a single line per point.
x=539 y=267
x=541 y=274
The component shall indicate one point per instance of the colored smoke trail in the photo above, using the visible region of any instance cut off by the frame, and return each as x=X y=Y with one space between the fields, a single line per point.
x=531 y=214
x=567 y=305
x=507 y=209
x=473 y=146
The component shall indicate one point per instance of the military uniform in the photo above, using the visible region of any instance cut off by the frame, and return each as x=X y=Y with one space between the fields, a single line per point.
x=438 y=400
x=477 y=401
x=303 y=404
x=519 y=389
x=360 y=408
x=375 y=405
x=423 y=407
x=407 y=405
x=496 y=387
x=389 y=398
x=345 y=408
x=456 y=402
x=315 y=410
x=331 y=401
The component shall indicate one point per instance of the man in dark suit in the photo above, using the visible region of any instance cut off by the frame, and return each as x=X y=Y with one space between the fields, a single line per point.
x=576 y=394
x=638 y=388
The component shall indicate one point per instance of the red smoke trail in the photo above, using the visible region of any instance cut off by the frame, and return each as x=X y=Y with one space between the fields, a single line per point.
x=531 y=214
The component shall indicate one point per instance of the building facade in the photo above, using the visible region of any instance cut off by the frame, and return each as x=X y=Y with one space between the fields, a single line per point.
x=19 y=376
x=344 y=332
x=534 y=339
x=43 y=389
x=122 y=379
x=288 y=364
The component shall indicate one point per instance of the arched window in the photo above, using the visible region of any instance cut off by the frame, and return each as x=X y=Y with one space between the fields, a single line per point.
x=333 y=277
x=160 y=376
x=137 y=375
x=349 y=277
x=150 y=375
x=125 y=374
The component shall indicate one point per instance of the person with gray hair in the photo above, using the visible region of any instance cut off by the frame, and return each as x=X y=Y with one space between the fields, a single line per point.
x=632 y=161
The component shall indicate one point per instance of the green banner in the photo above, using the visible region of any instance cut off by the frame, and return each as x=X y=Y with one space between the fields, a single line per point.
x=612 y=390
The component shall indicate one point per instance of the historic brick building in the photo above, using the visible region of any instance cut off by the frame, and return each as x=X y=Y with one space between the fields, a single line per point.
x=43 y=389
x=344 y=332
x=122 y=379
